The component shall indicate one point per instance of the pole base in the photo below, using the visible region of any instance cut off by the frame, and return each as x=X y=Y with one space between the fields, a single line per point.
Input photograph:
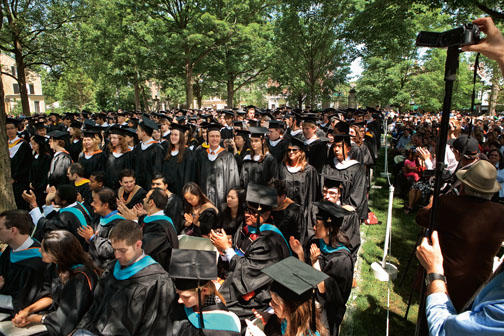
x=384 y=274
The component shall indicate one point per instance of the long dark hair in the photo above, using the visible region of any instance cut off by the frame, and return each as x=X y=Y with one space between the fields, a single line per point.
x=182 y=147
x=225 y=217
x=42 y=143
x=335 y=235
x=193 y=188
x=67 y=251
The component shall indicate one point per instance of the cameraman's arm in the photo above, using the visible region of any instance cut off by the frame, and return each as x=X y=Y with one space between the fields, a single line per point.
x=493 y=45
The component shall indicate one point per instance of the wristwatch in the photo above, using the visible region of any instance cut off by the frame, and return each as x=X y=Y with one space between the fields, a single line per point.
x=434 y=276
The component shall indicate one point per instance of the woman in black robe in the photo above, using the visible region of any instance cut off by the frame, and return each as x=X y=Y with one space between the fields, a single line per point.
x=340 y=166
x=39 y=167
x=241 y=146
x=92 y=157
x=302 y=183
x=119 y=157
x=75 y=146
x=327 y=251
x=259 y=166
x=233 y=214
x=178 y=164
x=70 y=293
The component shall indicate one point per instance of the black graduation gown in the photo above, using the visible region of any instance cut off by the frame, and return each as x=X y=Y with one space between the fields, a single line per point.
x=303 y=188
x=353 y=180
x=147 y=163
x=100 y=247
x=316 y=154
x=350 y=227
x=339 y=266
x=95 y=163
x=229 y=224
x=58 y=169
x=130 y=200
x=178 y=173
x=20 y=172
x=140 y=305
x=219 y=313
x=246 y=286
x=159 y=238
x=288 y=220
x=279 y=150
x=239 y=158
x=258 y=172
x=175 y=210
x=216 y=177
x=83 y=189
x=70 y=219
x=38 y=176
x=114 y=166
x=75 y=148
x=24 y=280
x=71 y=300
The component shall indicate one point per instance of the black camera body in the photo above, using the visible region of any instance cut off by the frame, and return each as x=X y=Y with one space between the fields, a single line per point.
x=464 y=35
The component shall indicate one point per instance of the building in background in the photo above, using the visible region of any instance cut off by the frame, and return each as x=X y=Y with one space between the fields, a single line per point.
x=11 y=87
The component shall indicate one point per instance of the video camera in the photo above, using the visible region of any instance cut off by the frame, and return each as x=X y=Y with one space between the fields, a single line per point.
x=464 y=35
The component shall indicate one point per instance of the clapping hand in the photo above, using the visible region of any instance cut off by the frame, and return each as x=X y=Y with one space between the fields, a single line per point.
x=314 y=253
x=296 y=247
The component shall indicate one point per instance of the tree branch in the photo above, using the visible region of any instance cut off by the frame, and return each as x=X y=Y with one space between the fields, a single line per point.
x=493 y=13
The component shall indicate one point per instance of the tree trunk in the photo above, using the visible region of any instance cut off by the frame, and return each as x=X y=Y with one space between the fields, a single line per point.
x=494 y=93
x=6 y=194
x=230 y=92
x=300 y=102
x=137 y=95
x=189 y=83
x=21 y=75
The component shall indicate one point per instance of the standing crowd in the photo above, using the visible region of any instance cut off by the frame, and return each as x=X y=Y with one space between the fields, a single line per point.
x=120 y=213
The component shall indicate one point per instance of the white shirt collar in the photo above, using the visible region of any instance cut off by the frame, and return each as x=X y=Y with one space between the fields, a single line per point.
x=345 y=164
x=159 y=213
x=27 y=243
x=275 y=142
x=311 y=140
x=146 y=144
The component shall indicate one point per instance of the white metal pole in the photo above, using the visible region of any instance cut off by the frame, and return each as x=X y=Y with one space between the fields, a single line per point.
x=389 y=225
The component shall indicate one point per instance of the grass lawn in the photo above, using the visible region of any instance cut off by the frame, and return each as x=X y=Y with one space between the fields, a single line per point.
x=367 y=307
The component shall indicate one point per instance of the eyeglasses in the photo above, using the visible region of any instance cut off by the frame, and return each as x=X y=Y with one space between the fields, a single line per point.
x=294 y=150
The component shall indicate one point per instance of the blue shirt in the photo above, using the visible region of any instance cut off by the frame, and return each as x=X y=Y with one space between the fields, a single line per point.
x=485 y=318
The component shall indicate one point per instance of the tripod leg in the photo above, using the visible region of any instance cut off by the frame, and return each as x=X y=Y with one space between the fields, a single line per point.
x=410 y=259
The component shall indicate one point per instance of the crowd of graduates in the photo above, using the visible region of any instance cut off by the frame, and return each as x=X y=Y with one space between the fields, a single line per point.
x=135 y=224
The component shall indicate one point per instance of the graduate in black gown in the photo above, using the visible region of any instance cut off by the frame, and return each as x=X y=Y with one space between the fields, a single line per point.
x=216 y=169
x=178 y=163
x=302 y=183
x=39 y=167
x=23 y=270
x=159 y=232
x=292 y=299
x=340 y=166
x=174 y=205
x=135 y=296
x=20 y=160
x=148 y=154
x=61 y=159
x=256 y=245
x=241 y=146
x=287 y=214
x=75 y=145
x=327 y=252
x=118 y=157
x=92 y=158
x=97 y=237
x=69 y=288
x=259 y=167
x=276 y=144
x=81 y=184
x=315 y=148
x=197 y=293
x=71 y=216
x=130 y=193
x=232 y=216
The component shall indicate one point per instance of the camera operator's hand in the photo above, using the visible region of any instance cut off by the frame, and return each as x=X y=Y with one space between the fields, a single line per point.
x=493 y=45
x=429 y=254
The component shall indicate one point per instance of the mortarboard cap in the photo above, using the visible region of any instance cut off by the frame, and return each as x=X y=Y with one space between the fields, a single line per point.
x=330 y=182
x=275 y=124
x=13 y=121
x=181 y=128
x=228 y=113
x=40 y=125
x=243 y=133
x=331 y=213
x=75 y=124
x=57 y=134
x=298 y=143
x=238 y=123
x=257 y=132
x=213 y=127
x=253 y=122
x=89 y=123
x=261 y=197
x=294 y=280
x=309 y=118
x=117 y=130
x=146 y=122
x=91 y=131
x=192 y=268
x=130 y=131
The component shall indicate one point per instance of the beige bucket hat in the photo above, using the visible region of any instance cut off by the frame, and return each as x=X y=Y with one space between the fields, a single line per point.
x=481 y=176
